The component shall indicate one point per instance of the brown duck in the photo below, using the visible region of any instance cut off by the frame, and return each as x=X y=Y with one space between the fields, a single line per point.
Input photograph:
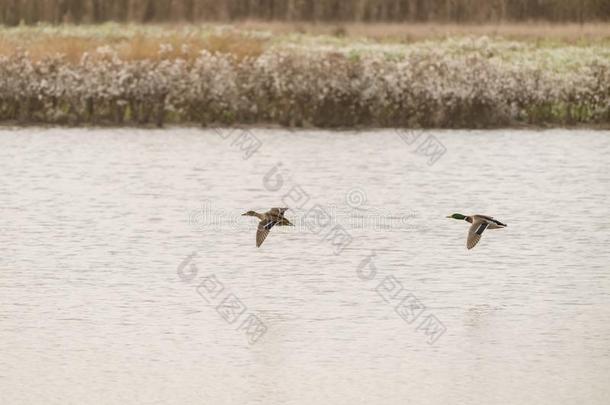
x=275 y=216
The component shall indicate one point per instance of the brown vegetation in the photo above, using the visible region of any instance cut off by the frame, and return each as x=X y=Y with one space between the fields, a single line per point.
x=456 y=83
x=252 y=38
x=135 y=45
x=133 y=74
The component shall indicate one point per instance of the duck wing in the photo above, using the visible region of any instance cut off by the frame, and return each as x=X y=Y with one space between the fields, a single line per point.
x=263 y=230
x=474 y=233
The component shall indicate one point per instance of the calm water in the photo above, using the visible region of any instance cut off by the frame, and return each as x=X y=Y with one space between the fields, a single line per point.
x=96 y=223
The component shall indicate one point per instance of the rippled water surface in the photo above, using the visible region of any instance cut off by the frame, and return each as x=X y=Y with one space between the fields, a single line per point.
x=99 y=302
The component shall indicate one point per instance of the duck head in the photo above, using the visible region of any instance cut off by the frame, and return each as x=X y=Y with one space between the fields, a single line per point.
x=457 y=216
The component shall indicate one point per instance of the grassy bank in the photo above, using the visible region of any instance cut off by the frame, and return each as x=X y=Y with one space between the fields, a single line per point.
x=314 y=75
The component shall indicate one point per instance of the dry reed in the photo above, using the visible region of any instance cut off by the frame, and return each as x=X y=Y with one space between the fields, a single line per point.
x=157 y=75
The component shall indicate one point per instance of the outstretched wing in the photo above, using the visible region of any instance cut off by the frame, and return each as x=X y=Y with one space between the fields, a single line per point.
x=263 y=230
x=475 y=232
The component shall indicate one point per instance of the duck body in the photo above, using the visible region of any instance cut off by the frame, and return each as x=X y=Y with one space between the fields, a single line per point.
x=479 y=224
x=275 y=216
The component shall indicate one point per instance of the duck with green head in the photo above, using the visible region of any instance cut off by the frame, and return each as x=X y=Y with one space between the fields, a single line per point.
x=275 y=216
x=479 y=224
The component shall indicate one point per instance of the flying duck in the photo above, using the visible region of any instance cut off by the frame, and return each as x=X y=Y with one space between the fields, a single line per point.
x=479 y=224
x=275 y=216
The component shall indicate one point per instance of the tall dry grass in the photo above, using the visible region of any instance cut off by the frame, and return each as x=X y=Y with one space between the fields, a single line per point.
x=252 y=38
x=138 y=45
x=156 y=75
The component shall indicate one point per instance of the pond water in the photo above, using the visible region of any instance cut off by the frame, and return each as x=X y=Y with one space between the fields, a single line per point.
x=128 y=274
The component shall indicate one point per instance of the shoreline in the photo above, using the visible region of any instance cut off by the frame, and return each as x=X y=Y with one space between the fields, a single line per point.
x=232 y=77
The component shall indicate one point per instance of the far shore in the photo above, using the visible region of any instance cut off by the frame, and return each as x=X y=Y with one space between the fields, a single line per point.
x=307 y=76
